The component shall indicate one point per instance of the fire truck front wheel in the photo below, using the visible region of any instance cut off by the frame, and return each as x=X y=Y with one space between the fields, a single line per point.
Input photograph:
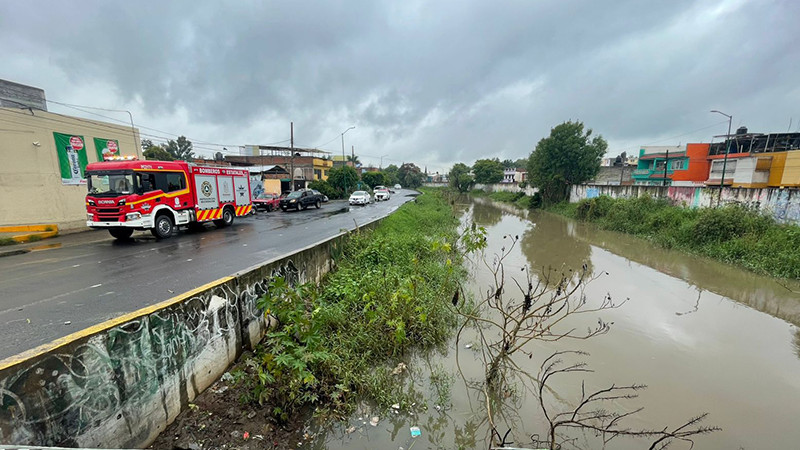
x=227 y=218
x=163 y=226
x=121 y=233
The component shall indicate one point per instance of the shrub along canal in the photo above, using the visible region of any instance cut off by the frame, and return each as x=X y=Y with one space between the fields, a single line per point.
x=703 y=336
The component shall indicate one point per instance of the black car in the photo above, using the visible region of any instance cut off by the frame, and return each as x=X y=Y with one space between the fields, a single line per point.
x=302 y=198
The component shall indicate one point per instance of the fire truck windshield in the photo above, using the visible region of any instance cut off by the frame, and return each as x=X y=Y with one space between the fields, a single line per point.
x=110 y=184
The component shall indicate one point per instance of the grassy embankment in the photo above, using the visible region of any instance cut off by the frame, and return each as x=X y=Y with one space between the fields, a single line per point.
x=338 y=342
x=731 y=234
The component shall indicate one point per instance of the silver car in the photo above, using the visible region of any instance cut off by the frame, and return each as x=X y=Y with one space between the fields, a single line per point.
x=360 y=198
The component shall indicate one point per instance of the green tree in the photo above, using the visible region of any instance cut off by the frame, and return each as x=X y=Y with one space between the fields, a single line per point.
x=325 y=188
x=409 y=175
x=157 y=153
x=488 y=171
x=343 y=179
x=568 y=156
x=460 y=178
x=373 y=179
x=508 y=164
x=391 y=172
x=146 y=144
x=354 y=159
x=180 y=149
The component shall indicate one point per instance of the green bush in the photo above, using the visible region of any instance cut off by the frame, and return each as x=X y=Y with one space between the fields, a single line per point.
x=390 y=293
x=326 y=189
x=732 y=234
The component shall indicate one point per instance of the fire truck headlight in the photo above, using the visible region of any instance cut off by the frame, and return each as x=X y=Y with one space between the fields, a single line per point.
x=133 y=216
x=121 y=202
x=90 y=217
x=91 y=203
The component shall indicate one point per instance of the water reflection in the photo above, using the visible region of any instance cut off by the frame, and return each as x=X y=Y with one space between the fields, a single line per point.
x=485 y=214
x=551 y=244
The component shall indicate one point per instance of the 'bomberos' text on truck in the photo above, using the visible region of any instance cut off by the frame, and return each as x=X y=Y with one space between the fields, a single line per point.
x=127 y=195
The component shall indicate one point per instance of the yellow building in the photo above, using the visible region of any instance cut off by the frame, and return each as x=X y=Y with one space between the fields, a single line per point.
x=785 y=169
x=44 y=155
x=321 y=168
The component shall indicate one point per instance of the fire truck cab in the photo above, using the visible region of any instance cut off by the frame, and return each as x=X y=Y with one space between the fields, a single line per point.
x=128 y=195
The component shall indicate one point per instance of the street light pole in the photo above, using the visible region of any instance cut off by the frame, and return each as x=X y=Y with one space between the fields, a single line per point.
x=725 y=158
x=344 y=158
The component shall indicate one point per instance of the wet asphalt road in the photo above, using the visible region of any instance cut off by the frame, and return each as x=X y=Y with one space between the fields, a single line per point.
x=91 y=277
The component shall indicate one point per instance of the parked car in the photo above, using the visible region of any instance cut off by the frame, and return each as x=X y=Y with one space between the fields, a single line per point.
x=322 y=196
x=360 y=198
x=266 y=201
x=301 y=198
x=382 y=194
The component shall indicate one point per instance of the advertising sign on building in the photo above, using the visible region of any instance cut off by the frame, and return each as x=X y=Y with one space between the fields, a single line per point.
x=106 y=147
x=71 y=158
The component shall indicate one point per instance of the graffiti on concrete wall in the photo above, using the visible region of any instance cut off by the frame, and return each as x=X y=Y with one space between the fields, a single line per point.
x=73 y=396
x=781 y=204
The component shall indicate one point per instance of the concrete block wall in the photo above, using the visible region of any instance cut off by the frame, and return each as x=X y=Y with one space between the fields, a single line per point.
x=120 y=383
x=782 y=204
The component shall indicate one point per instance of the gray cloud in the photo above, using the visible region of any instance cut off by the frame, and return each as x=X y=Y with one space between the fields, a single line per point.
x=430 y=82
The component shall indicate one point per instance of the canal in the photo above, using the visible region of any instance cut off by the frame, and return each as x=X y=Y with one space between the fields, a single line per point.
x=703 y=336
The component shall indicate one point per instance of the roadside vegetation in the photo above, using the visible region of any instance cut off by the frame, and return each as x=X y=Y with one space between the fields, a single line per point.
x=732 y=234
x=337 y=343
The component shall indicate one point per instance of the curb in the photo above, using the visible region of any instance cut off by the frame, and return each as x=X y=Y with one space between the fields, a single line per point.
x=18 y=251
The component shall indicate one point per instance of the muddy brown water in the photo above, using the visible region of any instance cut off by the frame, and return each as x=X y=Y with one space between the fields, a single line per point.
x=702 y=335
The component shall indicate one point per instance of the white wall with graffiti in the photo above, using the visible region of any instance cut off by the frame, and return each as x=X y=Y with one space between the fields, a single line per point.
x=782 y=204
x=119 y=387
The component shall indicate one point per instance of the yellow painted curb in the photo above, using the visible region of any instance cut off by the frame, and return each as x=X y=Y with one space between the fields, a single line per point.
x=94 y=329
x=27 y=237
x=29 y=228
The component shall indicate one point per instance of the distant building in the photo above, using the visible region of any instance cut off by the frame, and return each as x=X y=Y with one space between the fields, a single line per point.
x=15 y=95
x=756 y=160
x=305 y=165
x=514 y=175
x=657 y=164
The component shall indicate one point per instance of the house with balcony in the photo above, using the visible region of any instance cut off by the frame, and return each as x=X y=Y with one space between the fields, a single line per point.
x=657 y=164
x=755 y=160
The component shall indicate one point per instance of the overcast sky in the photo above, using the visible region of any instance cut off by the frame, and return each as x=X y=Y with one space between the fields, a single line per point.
x=433 y=82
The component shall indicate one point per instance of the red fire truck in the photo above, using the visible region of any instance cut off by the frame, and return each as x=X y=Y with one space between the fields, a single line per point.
x=127 y=195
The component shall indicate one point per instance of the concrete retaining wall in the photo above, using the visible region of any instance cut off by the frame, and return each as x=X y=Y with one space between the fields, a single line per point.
x=120 y=383
x=782 y=204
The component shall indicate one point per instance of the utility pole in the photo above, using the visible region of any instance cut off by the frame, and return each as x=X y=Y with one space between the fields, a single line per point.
x=725 y=158
x=666 y=162
x=291 y=149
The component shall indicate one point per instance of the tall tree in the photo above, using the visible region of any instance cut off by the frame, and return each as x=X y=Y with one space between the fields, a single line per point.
x=568 y=156
x=373 y=179
x=460 y=178
x=146 y=143
x=508 y=164
x=354 y=159
x=343 y=179
x=488 y=171
x=180 y=149
x=391 y=172
x=157 y=153
x=409 y=175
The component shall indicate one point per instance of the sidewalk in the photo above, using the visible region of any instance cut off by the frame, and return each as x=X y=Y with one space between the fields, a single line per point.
x=57 y=241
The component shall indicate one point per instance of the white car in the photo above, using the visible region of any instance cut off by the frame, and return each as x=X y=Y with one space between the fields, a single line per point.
x=360 y=198
x=397 y=186
x=382 y=194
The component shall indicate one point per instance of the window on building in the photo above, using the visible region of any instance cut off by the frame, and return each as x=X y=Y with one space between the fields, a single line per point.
x=317 y=174
x=676 y=164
